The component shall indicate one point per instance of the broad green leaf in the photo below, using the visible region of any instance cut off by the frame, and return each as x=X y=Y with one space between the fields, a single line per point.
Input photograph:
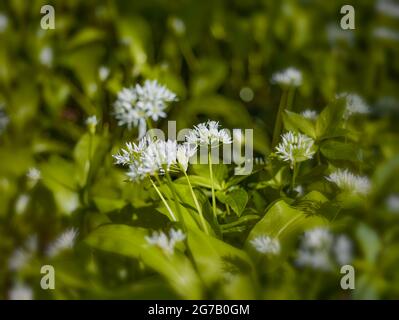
x=130 y=241
x=336 y=150
x=369 y=241
x=237 y=200
x=330 y=118
x=285 y=223
x=296 y=122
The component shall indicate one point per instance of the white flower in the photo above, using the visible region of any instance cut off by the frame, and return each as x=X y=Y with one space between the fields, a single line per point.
x=384 y=33
x=135 y=105
x=4 y=120
x=347 y=181
x=267 y=245
x=315 y=249
x=3 y=22
x=289 y=76
x=184 y=153
x=64 y=242
x=22 y=203
x=19 y=259
x=392 y=203
x=103 y=73
x=20 y=292
x=46 y=56
x=354 y=104
x=148 y=158
x=343 y=250
x=91 y=123
x=388 y=8
x=295 y=147
x=208 y=134
x=317 y=238
x=34 y=174
x=309 y=114
x=166 y=243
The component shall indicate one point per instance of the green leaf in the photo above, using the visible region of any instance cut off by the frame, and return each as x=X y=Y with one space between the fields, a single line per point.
x=336 y=150
x=209 y=76
x=296 y=122
x=369 y=241
x=217 y=261
x=285 y=223
x=130 y=241
x=327 y=123
x=237 y=200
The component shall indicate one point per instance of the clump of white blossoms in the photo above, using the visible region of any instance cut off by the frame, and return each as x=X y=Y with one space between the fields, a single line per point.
x=295 y=147
x=354 y=104
x=4 y=120
x=349 y=182
x=20 y=292
x=266 y=245
x=208 y=134
x=319 y=249
x=135 y=105
x=309 y=114
x=288 y=77
x=165 y=242
x=65 y=241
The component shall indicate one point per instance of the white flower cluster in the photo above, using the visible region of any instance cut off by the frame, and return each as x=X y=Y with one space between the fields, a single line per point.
x=388 y=8
x=3 y=22
x=165 y=242
x=208 y=134
x=137 y=104
x=64 y=242
x=295 y=147
x=309 y=114
x=150 y=157
x=155 y=156
x=288 y=77
x=266 y=245
x=349 y=182
x=354 y=104
x=319 y=249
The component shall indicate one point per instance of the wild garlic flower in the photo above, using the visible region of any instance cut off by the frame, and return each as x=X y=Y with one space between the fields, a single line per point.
x=349 y=182
x=150 y=157
x=320 y=249
x=135 y=105
x=64 y=242
x=288 y=77
x=4 y=120
x=208 y=134
x=388 y=8
x=184 y=153
x=309 y=114
x=266 y=245
x=354 y=104
x=343 y=250
x=34 y=174
x=91 y=123
x=166 y=242
x=20 y=292
x=46 y=56
x=295 y=147
x=103 y=73
x=21 y=256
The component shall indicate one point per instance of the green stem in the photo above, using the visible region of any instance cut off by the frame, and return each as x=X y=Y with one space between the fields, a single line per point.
x=203 y=221
x=163 y=200
x=278 y=123
x=174 y=194
x=212 y=184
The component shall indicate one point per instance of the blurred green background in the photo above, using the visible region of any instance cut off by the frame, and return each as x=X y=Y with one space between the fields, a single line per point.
x=219 y=57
